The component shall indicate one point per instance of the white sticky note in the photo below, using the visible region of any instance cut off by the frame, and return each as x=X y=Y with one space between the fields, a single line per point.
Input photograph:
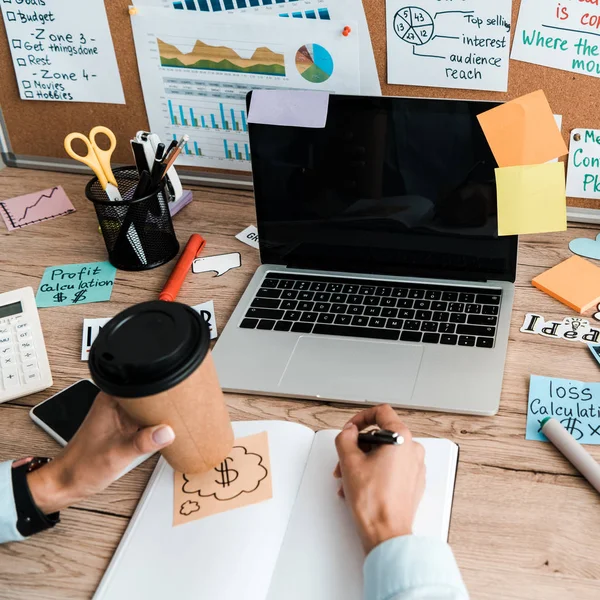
x=91 y=329
x=207 y=311
x=450 y=45
x=220 y=263
x=62 y=50
x=289 y=108
x=563 y=35
x=249 y=236
x=583 y=176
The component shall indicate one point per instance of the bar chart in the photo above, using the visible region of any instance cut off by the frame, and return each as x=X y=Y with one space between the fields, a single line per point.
x=203 y=115
x=215 y=147
x=223 y=5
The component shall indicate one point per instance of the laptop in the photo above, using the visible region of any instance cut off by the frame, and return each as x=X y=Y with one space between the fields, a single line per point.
x=383 y=277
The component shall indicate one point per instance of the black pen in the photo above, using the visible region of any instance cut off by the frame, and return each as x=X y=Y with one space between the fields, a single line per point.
x=379 y=437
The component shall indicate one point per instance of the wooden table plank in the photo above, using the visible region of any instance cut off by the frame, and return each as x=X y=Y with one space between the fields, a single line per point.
x=524 y=523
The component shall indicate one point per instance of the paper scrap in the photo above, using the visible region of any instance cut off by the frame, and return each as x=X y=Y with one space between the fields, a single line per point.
x=562 y=35
x=531 y=199
x=76 y=284
x=464 y=46
x=574 y=403
x=221 y=263
x=289 y=108
x=91 y=329
x=573 y=329
x=586 y=247
x=62 y=51
x=36 y=207
x=243 y=478
x=249 y=236
x=595 y=350
x=523 y=131
x=597 y=314
x=207 y=311
x=583 y=176
x=575 y=282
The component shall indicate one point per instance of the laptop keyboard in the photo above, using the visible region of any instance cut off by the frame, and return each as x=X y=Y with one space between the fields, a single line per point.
x=409 y=312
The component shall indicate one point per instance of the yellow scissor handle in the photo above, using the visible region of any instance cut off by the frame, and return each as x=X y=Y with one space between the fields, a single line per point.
x=90 y=159
x=104 y=155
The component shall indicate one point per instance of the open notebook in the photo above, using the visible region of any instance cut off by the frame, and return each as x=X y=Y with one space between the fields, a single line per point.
x=300 y=545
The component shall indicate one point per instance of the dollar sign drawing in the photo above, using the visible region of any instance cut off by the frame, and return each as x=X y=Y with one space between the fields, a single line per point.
x=570 y=424
x=228 y=476
x=80 y=295
x=60 y=297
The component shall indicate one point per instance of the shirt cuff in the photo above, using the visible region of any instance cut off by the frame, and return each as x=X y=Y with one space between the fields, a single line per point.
x=8 y=510
x=410 y=564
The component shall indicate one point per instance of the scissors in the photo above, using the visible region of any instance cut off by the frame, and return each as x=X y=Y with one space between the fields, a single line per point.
x=97 y=159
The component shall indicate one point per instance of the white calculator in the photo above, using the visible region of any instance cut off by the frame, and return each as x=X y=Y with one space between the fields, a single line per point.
x=24 y=367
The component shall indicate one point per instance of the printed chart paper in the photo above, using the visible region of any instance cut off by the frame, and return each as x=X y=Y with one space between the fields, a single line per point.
x=583 y=176
x=243 y=478
x=574 y=403
x=76 y=284
x=62 y=50
x=323 y=10
x=36 y=207
x=563 y=35
x=195 y=74
x=460 y=44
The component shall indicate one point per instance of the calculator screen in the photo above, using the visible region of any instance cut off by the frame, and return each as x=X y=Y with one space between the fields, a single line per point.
x=8 y=310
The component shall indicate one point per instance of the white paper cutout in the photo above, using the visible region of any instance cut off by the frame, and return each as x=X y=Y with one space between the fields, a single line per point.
x=249 y=236
x=570 y=328
x=220 y=263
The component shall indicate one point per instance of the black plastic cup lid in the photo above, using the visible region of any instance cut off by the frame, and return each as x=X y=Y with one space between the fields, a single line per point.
x=148 y=348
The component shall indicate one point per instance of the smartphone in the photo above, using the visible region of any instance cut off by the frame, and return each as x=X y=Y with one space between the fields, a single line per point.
x=61 y=415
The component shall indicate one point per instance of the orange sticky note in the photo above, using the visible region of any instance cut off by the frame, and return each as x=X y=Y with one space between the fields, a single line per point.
x=574 y=282
x=243 y=478
x=523 y=131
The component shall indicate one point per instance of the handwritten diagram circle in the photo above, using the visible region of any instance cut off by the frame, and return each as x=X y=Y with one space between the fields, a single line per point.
x=413 y=25
x=314 y=63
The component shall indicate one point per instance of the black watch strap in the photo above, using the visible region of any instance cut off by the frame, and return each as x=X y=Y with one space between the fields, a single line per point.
x=30 y=519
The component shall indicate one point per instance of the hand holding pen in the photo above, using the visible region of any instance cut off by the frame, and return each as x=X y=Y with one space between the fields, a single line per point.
x=384 y=487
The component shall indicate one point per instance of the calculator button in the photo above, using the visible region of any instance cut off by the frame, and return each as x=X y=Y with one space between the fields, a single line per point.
x=5 y=339
x=7 y=350
x=28 y=355
x=22 y=326
x=23 y=336
x=26 y=347
x=30 y=365
x=10 y=377
x=4 y=330
x=8 y=361
x=31 y=376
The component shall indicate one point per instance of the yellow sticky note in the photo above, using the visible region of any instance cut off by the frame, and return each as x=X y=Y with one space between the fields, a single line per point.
x=531 y=199
x=523 y=131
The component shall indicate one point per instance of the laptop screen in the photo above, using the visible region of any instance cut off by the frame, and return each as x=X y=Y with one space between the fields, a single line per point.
x=397 y=186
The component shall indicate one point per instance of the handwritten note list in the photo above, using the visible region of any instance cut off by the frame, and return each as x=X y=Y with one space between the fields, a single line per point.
x=62 y=50
x=455 y=44
x=563 y=35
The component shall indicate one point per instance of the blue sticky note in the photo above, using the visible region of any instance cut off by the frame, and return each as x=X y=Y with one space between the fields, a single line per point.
x=574 y=403
x=76 y=284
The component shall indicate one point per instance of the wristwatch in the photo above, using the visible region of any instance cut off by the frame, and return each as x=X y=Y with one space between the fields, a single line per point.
x=30 y=519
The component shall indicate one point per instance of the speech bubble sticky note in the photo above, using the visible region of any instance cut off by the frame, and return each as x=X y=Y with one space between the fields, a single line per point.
x=574 y=403
x=220 y=263
x=523 y=131
x=76 y=284
x=249 y=236
x=583 y=176
x=531 y=199
x=243 y=478
x=586 y=247
x=575 y=282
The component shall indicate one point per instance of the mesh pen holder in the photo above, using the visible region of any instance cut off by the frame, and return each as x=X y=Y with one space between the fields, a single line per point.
x=139 y=233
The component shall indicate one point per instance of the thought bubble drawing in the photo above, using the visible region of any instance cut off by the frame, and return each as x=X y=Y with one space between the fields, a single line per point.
x=189 y=507
x=240 y=473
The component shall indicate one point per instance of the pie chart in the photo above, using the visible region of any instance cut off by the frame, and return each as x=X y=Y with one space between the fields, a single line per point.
x=413 y=25
x=314 y=63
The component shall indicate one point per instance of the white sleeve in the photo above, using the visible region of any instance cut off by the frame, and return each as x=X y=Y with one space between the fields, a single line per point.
x=8 y=511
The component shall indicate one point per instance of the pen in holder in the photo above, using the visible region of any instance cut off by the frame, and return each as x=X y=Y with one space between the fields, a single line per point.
x=138 y=232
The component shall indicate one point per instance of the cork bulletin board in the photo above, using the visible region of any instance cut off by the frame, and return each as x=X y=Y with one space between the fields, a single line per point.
x=37 y=129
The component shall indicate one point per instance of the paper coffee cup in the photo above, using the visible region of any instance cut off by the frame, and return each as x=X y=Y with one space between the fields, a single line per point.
x=154 y=359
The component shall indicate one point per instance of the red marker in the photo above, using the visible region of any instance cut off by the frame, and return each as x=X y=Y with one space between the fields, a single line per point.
x=193 y=248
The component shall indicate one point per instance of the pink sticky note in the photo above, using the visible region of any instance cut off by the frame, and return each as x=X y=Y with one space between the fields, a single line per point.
x=33 y=208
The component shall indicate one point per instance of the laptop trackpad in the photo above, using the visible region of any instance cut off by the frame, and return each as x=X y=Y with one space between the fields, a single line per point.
x=344 y=369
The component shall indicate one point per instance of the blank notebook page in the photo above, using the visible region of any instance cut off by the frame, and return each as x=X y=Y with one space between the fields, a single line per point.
x=321 y=557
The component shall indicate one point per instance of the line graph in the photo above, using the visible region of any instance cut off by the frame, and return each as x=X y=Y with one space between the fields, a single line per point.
x=36 y=207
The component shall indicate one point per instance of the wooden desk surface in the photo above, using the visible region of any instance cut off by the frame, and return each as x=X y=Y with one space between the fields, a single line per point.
x=524 y=524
